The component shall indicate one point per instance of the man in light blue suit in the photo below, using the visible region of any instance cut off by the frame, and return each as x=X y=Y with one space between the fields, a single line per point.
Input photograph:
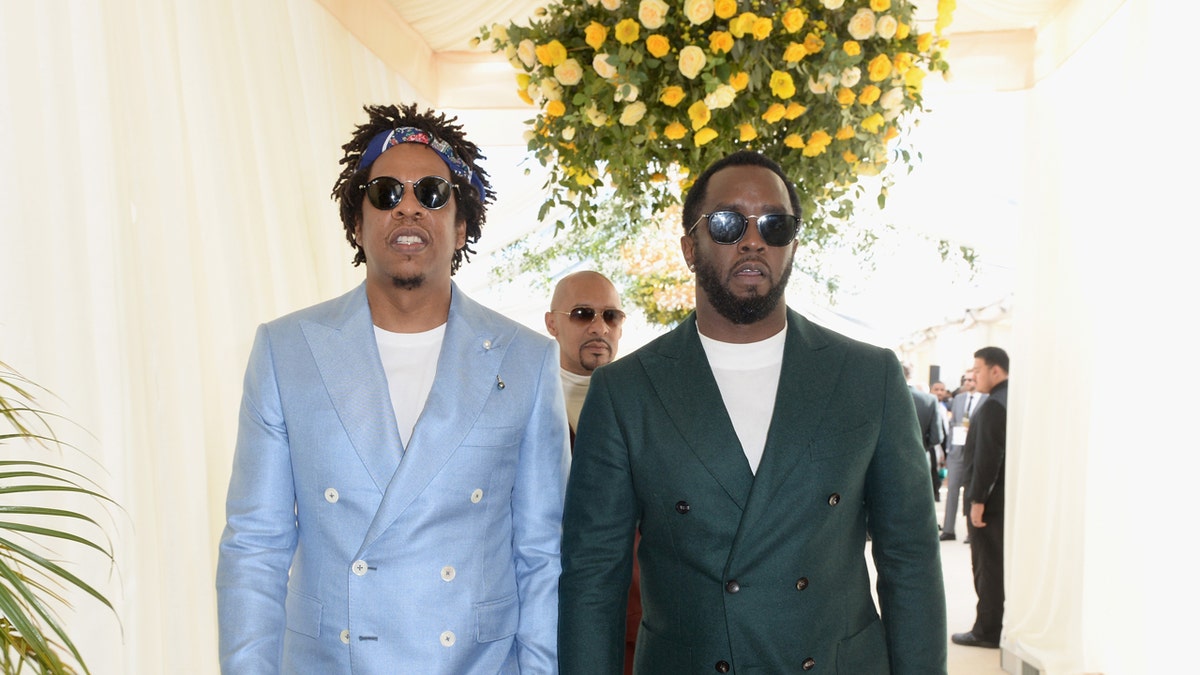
x=396 y=498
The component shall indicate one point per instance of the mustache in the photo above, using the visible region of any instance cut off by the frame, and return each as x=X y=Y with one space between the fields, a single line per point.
x=602 y=341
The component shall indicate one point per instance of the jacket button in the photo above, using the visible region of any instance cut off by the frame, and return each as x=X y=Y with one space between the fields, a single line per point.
x=722 y=666
x=345 y=637
x=732 y=586
x=808 y=664
x=331 y=495
x=834 y=499
x=476 y=496
x=359 y=567
x=447 y=639
x=448 y=573
x=683 y=507
x=802 y=583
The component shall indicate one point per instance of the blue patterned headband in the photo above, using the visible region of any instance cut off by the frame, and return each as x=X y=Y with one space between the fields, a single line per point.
x=392 y=137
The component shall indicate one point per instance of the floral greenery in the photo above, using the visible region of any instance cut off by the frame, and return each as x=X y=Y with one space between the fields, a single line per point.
x=635 y=97
x=31 y=635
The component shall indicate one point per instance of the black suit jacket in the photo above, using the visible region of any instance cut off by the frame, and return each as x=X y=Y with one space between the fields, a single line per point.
x=983 y=454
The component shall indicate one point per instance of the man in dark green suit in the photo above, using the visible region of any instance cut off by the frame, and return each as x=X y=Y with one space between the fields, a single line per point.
x=753 y=450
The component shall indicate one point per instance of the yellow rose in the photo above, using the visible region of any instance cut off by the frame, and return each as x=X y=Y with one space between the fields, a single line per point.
x=551 y=54
x=774 y=113
x=746 y=133
x=671 y=96
x=879 y=68
x=595 y=34
x=813 y=43
x=914 y=79
x=844 y=133
x=869 y=95
x=743 y=24
x=555 y=109
x=699 y=114
x=704 y=135
x=794 y=52
x=658 y=45
x=873 y=123
x=924 y=42
x=793 y=111
x=794 y=141
x=793 y=20
x=862 y=24
x=691 y=61
x=568 y=72
x=762 y=28
x=725 y=8
x=850 y=157
x=817 y=142
x=902 y=30
x=851 y=48
x=881 y=5
x=890 y=133
x=739 y=80
x=782 y=85
x=846 y=96
x=627 y=31
x=698 y=11
x=523 y=80
x=945 y=15
x=902 y=62
x=675 y=131
x=525 y=96
x=720 y=41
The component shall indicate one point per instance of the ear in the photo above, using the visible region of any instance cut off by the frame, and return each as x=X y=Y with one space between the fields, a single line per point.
x=460 y=233
x=551 y=325
x=687 y=244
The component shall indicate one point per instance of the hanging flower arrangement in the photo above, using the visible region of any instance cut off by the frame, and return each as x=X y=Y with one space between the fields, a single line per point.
x=634 y=98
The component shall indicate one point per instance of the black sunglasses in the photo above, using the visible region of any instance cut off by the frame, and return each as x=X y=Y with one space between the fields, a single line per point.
x=432 y=192
x=586 y=315
x=728 y=227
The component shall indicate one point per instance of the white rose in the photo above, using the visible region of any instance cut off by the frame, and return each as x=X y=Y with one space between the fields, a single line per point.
x=721 y=97
x=653 y=13
x=851 y=76
x=886 y=26
x=611 y=5
x=593 y=3
x=821 y=84
x=862 y=24
x=510 y=53
x=892 y=99
x=551 y=89
x=534 y=91
x=626 y=92
x=528 y=136
x=527 y=52
x=594 y=115
x=499 y=32
x=833 y=4
x=603 y=69
x=633 y=113
x=698 y=11
x=568 y=134
x=569 y=72
x=691 y=61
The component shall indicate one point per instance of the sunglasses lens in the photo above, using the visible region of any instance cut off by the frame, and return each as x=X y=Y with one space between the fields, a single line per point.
x=586 y=315
x=726 y=227
x=385 y=192
x=777 y=229
x=432 y=192
x=614 y=317
x=583 y=314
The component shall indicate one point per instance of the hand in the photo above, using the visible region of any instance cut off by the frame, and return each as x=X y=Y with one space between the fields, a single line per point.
x=977 y=515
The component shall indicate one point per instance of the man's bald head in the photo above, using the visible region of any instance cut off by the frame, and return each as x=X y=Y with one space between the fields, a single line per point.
x=584 y=344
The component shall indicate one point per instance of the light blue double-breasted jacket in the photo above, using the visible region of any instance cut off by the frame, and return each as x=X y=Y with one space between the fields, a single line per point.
x=345 y=552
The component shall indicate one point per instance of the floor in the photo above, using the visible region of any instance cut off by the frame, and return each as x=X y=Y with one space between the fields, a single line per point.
x=960 y=605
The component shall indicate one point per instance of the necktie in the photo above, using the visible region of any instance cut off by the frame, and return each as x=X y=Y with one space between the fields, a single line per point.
x=970 y=403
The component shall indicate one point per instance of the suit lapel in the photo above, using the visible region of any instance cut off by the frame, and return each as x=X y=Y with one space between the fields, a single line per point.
x=346 y=355
x=683 y=380
x=809 y=373
x=468 y=365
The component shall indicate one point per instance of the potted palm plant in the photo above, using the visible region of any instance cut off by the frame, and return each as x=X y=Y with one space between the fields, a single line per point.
x=33 y=527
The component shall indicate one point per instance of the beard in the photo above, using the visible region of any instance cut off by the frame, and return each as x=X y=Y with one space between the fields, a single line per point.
x=591 y=362
x=408 y=283
x=739 y=310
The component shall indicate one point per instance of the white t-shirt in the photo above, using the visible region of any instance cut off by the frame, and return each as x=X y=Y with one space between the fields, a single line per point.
x=410 y=363
x=748 y=377
x=575 y=389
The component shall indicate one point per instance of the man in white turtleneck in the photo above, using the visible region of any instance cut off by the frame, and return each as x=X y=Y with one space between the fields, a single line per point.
x=585 y=317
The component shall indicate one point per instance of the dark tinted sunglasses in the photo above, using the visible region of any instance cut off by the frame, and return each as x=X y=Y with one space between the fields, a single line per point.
x=728 y=227
x=586 y=315
x=432 y=192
